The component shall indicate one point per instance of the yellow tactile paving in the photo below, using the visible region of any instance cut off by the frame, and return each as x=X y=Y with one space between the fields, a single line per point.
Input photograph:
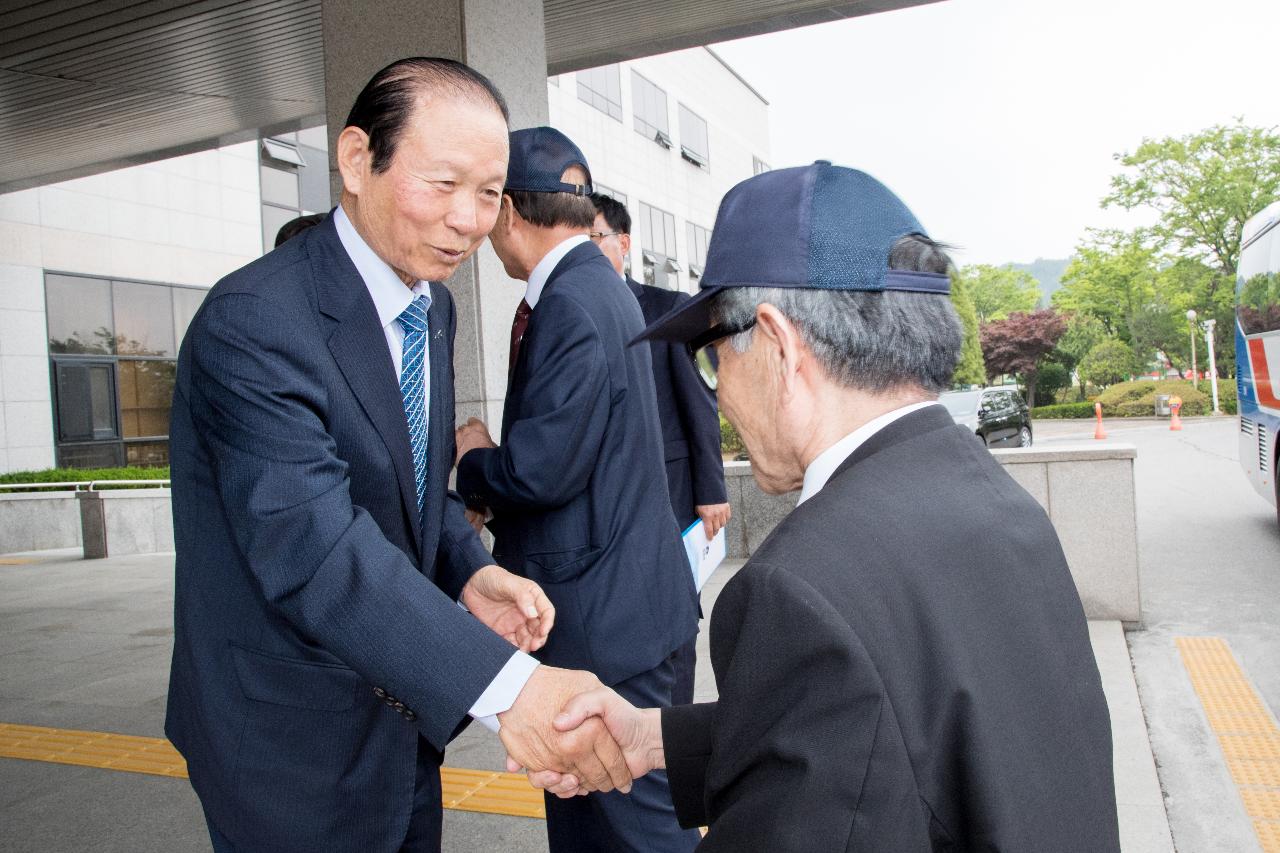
x=466 y=790
x=1246 y=731
x=15 y=561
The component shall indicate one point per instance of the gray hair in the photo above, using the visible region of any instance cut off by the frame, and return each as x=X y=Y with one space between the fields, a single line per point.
x=870 y=341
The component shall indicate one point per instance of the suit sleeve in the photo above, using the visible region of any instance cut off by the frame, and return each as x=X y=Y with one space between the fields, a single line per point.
x=321 y=562
x=461 y=553
x=550 y=452
x=701 y=421
x=785 y=752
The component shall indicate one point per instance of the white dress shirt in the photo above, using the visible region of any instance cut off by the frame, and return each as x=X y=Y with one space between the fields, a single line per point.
x=390 y=298
x=542 y=272
x=821 y=468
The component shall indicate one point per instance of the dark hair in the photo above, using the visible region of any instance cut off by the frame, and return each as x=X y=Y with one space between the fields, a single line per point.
x=386 y=102
x=294 y=227
x=548 y=210
x=918 y=253
x=614 y=212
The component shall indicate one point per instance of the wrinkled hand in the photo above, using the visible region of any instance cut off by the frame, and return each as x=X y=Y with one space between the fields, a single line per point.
x=513 y=607
x=587 y=752
x=471 y=435
x=714 y=517
x=476 y=517
x=638 y=732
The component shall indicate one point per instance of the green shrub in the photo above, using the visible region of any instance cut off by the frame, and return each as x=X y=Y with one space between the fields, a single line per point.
x=77 y=475
x=730 y=441
x=1063 y=410
x=1138 y=398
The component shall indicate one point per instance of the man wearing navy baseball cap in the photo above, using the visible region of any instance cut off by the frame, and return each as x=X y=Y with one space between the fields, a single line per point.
x=577 y=489
x=904 y=664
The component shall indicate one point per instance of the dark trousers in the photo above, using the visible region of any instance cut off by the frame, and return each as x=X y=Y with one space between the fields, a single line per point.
x=643 y=820
x=425 y=821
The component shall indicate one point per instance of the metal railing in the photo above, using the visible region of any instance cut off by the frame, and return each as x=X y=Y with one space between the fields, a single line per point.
x=82 y=485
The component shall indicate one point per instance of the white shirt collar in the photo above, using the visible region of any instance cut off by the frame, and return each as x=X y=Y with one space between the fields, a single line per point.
x=821 y=469
x=390 y=296
x=538 y=278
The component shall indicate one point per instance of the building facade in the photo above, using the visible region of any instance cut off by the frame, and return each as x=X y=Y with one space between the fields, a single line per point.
x=100 y=276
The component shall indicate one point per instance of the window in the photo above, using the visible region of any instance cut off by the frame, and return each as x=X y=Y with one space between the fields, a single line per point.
x=658 y=247
x=693 y=138
x=699 y=238
x=602 y=89
x=113 y=348
x=758 y=166
x=293 y=179
x=601 y=189
x=650 y=105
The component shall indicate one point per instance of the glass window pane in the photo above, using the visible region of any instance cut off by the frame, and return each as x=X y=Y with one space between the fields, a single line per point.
x=669 y=222
x=280 y=187
x=100 y=455
x=144 y=319
x=85 y=403
x=146 y=394
x=272 y=219
x=146 y=454
x=186 y=301
x=79 y=315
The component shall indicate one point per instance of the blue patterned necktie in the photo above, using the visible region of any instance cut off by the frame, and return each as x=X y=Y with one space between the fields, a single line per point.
x=413 y=320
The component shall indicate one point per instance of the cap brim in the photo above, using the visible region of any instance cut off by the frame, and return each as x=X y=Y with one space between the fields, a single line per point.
x=684 y=323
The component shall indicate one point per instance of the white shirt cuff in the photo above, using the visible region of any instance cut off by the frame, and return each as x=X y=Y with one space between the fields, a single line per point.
x=501 y=693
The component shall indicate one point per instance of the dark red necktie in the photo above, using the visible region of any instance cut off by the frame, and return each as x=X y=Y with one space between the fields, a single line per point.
x=518 y=326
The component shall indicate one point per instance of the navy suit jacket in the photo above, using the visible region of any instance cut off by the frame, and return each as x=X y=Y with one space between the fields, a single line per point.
x=577 y=487
x=903 y=666
x=687 y=412
x=305 y=575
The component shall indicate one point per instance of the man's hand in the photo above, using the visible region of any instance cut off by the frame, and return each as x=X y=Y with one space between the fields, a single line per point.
x=587 y=752
x=513 y=607
x=471 y=435
x=714 y=517
x=638 y=733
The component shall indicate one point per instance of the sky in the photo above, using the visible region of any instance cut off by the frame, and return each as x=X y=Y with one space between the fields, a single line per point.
x=996 y=121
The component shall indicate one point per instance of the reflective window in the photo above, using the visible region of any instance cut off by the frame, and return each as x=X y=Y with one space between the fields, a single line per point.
x=699 y=237
x=758 y=166
x=146 y=393
x=1259 y=304
x=280 y=187
x=694 y=146
x=650 y=106
x=602 y=89
x=611 y=193
x=144 y=319
x=186 y=302
x=79 y=314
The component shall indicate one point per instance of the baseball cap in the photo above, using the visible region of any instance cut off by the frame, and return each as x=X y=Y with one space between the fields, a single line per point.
x=539 y=156
x=819 y=227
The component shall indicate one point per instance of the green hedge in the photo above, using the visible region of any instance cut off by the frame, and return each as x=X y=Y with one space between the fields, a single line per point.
x=76 y=475
x=730 y=441
x=1138 y=398
x=1063 y=410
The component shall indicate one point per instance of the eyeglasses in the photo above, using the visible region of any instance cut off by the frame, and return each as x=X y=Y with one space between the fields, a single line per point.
x=703 y=349
x=597 y=236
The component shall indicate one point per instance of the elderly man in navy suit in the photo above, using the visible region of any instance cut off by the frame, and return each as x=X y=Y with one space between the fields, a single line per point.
x=893 y=676
x=686 y=410
x=321 y=661
x=577 y=488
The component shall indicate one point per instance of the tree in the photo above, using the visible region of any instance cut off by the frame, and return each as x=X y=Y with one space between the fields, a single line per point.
x=1110 y=276
x=1107 y=363
x=999 y=291
x=970 y=370
x=1020 y=342
x=1084 y=332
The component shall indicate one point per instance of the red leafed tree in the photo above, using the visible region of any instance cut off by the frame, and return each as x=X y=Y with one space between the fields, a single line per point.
x=1018 y=343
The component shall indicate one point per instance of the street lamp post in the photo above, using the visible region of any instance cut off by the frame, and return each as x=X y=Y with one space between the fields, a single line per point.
x=1213 y=368
x=1191 y=325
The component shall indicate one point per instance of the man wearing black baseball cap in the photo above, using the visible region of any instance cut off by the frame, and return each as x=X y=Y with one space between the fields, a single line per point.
x=577 y=489
x=904 y=663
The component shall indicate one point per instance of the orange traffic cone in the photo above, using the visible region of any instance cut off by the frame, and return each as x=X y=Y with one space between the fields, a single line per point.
x=1175 y=422
x=1099 y=432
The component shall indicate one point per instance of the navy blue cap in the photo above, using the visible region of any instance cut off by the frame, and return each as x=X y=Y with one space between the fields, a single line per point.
x=539 y=156
x=819 y=227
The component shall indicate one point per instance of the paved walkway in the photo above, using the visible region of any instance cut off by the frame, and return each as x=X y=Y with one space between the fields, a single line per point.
x=85 y=646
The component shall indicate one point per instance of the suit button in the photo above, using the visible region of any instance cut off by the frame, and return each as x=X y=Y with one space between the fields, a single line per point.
x=399 y=706
x=380 y=693
x=391 y=701
x=410 y=716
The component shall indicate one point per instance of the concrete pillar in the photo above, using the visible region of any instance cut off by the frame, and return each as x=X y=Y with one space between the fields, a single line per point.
x=503 y=39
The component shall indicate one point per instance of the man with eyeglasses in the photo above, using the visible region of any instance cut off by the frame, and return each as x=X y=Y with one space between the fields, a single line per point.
x=904 y=663
x=686 y=411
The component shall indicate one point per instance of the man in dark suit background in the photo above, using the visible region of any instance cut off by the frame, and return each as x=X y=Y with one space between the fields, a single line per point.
x=577 y=487
x=904 y=663
x=686 y=410
x=320 y=661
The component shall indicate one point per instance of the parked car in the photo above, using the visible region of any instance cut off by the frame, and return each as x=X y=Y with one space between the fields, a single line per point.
x=998 y=416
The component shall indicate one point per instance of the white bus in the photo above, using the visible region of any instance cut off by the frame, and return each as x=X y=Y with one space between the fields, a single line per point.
x=1258 y=351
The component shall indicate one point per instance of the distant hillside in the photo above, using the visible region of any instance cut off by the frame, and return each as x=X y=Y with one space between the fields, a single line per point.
x=1047 y=271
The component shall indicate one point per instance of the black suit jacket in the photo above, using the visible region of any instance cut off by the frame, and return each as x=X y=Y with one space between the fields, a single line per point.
x=903 y=665
x=577 y=487
x=305 y=574
x=687 y=413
